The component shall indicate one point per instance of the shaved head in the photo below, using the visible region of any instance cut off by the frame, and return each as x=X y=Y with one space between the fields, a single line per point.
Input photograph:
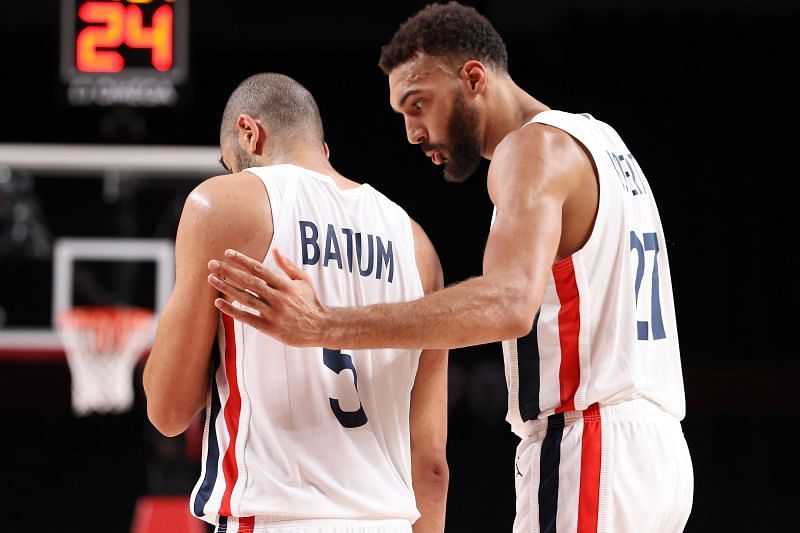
x=284 y=107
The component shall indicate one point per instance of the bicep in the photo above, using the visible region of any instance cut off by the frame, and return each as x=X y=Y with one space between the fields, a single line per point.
x=529 y=181
x=523 y=240
x=189 y=320
x=221 y=213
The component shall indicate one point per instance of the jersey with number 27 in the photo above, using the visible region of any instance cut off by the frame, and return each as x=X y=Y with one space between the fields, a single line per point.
x=316 y=433
x=605 y=332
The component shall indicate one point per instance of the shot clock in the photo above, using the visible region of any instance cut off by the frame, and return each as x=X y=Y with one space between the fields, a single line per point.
x=124 y=52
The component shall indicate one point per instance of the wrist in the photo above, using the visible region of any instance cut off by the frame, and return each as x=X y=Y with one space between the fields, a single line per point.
x=329 y=337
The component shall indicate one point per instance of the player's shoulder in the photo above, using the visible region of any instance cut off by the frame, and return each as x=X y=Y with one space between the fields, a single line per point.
x=226 y=185
x=536 y=154
x=230 y=208
x=534 y=140
x=233 y=203
x=227 y=192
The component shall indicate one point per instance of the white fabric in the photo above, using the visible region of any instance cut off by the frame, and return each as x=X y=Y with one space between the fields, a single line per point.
x=615 y=364
x=295 y=459
x=322 y=526
x=646 y=476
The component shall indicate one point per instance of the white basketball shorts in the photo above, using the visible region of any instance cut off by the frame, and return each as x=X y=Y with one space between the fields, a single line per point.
x=622 y=468
x=256 y=525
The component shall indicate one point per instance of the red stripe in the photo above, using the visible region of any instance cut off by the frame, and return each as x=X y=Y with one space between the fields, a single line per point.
x=246 y=524
x=589 y=498
x=569 y=325
x=231 y=412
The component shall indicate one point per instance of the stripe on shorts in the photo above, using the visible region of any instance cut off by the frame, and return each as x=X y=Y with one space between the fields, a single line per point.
x=589 y=497
x=246 y=524
x=548 y=473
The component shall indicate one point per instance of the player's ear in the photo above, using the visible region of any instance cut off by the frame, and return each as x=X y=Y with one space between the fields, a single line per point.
x=251 y=134
x=473 y=75
x=327 y=150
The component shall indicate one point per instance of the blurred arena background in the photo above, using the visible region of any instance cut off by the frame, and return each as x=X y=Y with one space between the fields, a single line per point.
x=699 y=88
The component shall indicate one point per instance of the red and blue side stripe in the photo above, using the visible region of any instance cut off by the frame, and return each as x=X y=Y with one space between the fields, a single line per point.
x=230 y=413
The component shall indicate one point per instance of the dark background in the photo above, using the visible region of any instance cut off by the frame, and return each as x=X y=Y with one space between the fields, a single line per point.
x=700 y=91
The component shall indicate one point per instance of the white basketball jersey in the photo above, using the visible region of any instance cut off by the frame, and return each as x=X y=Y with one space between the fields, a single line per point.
x=605 y=332
x=312 y=433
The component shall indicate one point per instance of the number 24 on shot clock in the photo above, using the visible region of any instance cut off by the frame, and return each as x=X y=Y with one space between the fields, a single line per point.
x=124 y=52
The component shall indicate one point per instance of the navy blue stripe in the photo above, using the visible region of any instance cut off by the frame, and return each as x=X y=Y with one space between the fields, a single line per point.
x=212 y=458
x=528 y=369
x=548 y=473
x=222 y=527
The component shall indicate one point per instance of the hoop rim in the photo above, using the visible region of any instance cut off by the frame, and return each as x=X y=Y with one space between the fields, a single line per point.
x=90 y=315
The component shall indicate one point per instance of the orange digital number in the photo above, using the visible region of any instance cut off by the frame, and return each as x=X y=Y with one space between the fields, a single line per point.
x=88 y=57
x=122 y=25
x=158 y=37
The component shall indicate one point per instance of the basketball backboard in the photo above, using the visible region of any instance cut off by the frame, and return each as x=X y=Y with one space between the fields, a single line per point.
x=87 y=225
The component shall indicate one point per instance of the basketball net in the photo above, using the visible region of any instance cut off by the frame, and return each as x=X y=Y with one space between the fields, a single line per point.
x=103 y=346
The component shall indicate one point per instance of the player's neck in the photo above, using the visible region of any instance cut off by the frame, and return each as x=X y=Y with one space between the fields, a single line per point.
x=509 y=108
x=311 y=160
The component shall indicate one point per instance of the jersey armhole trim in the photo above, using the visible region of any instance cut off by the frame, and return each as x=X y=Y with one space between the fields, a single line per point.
x=602 y=192
x=276 y=199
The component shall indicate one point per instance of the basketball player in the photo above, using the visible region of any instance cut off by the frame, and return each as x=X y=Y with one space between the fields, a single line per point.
x=576 y=284
x=318 y=439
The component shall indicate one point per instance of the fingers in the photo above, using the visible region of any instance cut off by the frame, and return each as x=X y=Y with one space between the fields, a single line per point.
x=248 y=264
x=230 y=281
x=291 y=269
x=257 y=282
x=243 y=297
x=241 y=315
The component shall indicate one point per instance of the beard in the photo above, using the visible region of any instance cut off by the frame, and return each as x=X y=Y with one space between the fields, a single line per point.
x=243 y=160
x=463 y=144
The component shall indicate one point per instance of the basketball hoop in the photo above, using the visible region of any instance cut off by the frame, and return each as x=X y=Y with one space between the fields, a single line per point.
x=103 y=346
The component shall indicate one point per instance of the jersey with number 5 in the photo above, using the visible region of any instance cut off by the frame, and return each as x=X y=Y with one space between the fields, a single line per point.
x=605 y=332
x=316 y=433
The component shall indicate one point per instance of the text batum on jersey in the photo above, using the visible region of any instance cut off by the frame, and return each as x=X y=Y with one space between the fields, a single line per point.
x=369 y=254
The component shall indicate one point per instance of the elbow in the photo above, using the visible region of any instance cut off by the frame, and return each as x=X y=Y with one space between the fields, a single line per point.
x=168 y=416
x=514 y=306
x=166 y=411
x=433 y=472
x=440 y=475
x=520 y=315
x=169 y=424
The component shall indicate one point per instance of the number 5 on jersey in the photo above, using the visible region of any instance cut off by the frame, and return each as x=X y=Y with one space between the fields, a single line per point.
x=338 y=361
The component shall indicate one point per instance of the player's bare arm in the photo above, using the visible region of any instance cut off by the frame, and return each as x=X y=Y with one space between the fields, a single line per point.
x=218 y=212
x=530 y=192
x=428 y=415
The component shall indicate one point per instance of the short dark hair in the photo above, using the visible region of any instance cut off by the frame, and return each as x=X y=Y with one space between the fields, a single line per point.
x=450 y=29
x=282 y=103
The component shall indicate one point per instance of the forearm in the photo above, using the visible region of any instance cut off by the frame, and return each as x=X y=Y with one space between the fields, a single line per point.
x=430 y=479
x=475 y=311
x=176 y=385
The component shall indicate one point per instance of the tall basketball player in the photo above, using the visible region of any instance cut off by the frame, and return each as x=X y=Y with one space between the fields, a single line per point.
x=324 y=439
x=576 y=284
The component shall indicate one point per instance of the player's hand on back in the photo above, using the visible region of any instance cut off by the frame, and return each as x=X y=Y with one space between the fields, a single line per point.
x=282 y=305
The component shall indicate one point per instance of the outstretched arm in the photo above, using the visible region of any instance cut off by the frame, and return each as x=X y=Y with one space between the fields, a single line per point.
x=530 y=178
